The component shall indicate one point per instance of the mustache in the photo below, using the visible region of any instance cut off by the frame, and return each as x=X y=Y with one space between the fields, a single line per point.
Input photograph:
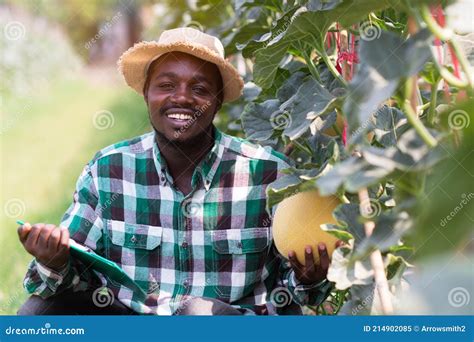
x=162 y=110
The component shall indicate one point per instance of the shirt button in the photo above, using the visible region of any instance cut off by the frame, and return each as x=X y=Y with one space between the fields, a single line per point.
x=186 y=283
x=133 y=239
x=239 y=244
x=184 y=244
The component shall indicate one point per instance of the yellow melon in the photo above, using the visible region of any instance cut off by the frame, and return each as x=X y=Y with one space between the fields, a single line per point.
x=297 y=222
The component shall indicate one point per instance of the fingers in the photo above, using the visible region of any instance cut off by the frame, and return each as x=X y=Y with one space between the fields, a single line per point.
x=30 y=243
x=54 y=239
x=23 y=232
x=43 y=237
x=309 y=260
x=323 y=257
x=295 y=264
x=64 y=240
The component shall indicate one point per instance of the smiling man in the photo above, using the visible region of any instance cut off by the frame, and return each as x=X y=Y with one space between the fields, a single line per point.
x=180 y=209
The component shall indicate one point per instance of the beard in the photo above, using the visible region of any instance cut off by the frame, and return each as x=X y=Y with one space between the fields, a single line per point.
x=201 y=138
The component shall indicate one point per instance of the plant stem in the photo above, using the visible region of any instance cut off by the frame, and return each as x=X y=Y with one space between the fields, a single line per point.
x=413 y=117
x=301 y=146
x=312 y=67
x=462 y=61
x=433 y=99
x=418 y=125
x=448 y=36
x=438 y=31
x=376 y=260
x=331 y=67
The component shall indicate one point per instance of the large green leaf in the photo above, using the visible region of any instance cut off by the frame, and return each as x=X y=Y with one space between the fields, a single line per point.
x=384 y=62
x=311 y=98
x=352 y=174
x=387 y=233
x=256 y=119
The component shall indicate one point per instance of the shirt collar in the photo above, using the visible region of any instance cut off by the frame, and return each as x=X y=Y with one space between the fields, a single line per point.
x=205 y=170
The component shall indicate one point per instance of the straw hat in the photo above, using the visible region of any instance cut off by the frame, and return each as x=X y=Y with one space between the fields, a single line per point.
x=134 y=62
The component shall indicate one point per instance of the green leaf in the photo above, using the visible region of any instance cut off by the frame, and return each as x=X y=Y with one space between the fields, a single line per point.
x=322 y=5
x=410 y=154
x=311 y=98
x=361 y=302
x=345 y=274
x=384 y=62
x=395 y=266
x=291 y=85
x=347 y=216
x=284 y=187
x=310 y=28
x=352 y=174
x=388 y=231
x=276 y=32
x=337 y=232
x=266 y=64
x=256 y=119
x=389 y=124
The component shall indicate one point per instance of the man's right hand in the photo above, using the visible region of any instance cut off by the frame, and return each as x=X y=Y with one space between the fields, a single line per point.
x=47 y=243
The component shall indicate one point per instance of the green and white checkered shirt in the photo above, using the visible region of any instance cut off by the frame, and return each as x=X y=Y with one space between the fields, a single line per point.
x=215 y=242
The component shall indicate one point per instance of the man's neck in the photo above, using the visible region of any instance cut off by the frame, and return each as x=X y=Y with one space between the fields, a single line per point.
x=182 y=159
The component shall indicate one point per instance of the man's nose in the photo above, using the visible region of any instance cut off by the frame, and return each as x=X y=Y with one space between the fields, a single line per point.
x=182 y=96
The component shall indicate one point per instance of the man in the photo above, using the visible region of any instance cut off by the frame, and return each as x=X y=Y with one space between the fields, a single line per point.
x=180 y=209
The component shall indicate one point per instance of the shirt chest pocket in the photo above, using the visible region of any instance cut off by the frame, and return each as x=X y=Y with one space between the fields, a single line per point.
x=134 y=244
x=238 y=259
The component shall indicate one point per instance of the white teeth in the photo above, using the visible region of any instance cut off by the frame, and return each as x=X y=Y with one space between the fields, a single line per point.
x=180 y=116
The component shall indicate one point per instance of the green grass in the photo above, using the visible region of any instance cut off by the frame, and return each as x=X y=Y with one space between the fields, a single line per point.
x=45 y=142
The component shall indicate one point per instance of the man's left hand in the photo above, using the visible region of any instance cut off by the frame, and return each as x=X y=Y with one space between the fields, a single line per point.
x=311 y=272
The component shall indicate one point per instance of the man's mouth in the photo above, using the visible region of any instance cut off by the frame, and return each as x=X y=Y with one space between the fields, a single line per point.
x=180 y=116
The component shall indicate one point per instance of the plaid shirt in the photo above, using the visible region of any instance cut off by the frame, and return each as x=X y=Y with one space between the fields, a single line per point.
x=215 y=242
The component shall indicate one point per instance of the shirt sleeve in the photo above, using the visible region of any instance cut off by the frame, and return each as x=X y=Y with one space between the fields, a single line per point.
x=84 y=222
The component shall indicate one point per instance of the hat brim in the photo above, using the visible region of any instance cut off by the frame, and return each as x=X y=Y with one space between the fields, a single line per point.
x=134 y=63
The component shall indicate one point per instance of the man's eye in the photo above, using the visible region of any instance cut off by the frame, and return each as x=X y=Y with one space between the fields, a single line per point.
x=200 y=90
x=165 y=86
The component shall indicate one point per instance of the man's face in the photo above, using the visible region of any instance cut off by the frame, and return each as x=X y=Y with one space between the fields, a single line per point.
x=183 y=97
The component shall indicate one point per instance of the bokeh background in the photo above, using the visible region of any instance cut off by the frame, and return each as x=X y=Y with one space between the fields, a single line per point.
x=62 y=99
